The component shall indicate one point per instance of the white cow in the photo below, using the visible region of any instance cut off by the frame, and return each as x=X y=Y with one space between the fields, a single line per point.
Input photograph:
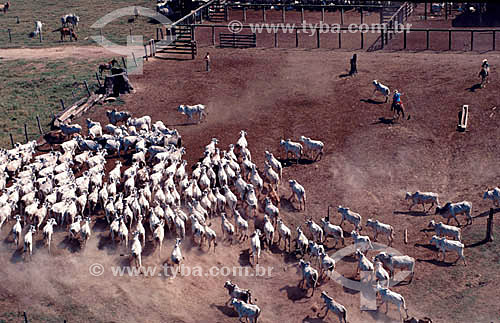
x=379 y=87
x=422 y=198
x=38 y=28
x=451 y=210
x=191 y=110
x=313 y=146
x=493 y=195
x=335 y=307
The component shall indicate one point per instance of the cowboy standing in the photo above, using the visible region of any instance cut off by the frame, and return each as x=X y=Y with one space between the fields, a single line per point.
x=207 y=62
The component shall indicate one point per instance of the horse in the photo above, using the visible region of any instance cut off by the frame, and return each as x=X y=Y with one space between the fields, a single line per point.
x=65 y=31
x=108 y=66
x=70 y=19
x=483 y=74
x=399 y=109
x=5 y=7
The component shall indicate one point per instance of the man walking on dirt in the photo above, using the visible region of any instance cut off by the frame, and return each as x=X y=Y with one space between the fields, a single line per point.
x=207 y=62
x=354 y=67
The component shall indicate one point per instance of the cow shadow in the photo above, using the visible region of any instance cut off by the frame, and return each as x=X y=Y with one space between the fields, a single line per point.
x=437 y=262
x=412 y=213
x=317 y=319
x=226 y=310
x=17 y=256
x=350 y=291
x=287 y=162
x=344 y=75
x=244 y=258
x=286 y=205
x=72 y=245
x=427 y=246
x=384 y=120
x=474 y=87
x=371 y=101
x=294 y=293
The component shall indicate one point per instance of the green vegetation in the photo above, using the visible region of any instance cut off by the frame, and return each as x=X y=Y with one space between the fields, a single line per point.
x=49 y=12
x=31 y=88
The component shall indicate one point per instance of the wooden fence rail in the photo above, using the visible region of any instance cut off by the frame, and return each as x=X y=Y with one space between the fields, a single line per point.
x=384 y=34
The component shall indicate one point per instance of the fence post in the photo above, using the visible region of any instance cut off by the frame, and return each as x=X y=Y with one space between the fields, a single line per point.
x=100 y=34
x=10 y=36
x=342 y=16
x=62 y=104
x=87 y=87
x=225 y=12
x=340 y=39
x=275 y=38
x=471 y=40
x=98 y=80
x=17 y=19
x=425 y=10
x=264 y=13
x=39 y=126
x=317 y=37
x=362 y=40
x=489 y=226
x=213 y=35
x=362 y=18
x=26 y=133
x=404 y=39
x=234 y=40
x=296 y=38
x=427 y=38
x=244 y=14
x=283 y=13
x=302 y=14
x=146 y=51
x=446 y=10
x=192 y=33
x=11 y=140
x=193 y=48
x=382 y=39
x=135 y=61
x=449 y=39
x=494 y=40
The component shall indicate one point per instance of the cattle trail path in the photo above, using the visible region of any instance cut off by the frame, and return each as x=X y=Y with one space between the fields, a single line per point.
x=52 y=53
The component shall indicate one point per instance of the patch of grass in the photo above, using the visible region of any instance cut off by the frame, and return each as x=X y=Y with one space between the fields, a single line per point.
x=49 y=12
x=26 y=95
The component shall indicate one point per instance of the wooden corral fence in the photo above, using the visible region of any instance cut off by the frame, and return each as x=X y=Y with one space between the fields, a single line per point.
x=179 y=37
x=348 y=32
x=244 y=7
x=450 y=33
x=398 y=17
x=234 y=40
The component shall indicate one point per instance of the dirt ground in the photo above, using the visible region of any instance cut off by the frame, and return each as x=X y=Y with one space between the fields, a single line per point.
x=369 y=164
x=51 y=53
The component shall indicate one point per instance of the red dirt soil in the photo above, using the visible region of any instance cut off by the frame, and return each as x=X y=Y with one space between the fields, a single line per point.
x=368 y=166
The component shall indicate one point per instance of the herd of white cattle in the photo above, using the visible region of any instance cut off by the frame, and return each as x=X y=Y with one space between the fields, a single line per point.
x=158 y=193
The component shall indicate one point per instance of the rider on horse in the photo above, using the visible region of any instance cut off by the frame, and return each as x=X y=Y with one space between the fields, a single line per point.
x=396 y=100
x=485 y=64
x=484 y=73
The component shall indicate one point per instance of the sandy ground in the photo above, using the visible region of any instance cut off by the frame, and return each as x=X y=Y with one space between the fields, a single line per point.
x=369 y=164
x=52 y=53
